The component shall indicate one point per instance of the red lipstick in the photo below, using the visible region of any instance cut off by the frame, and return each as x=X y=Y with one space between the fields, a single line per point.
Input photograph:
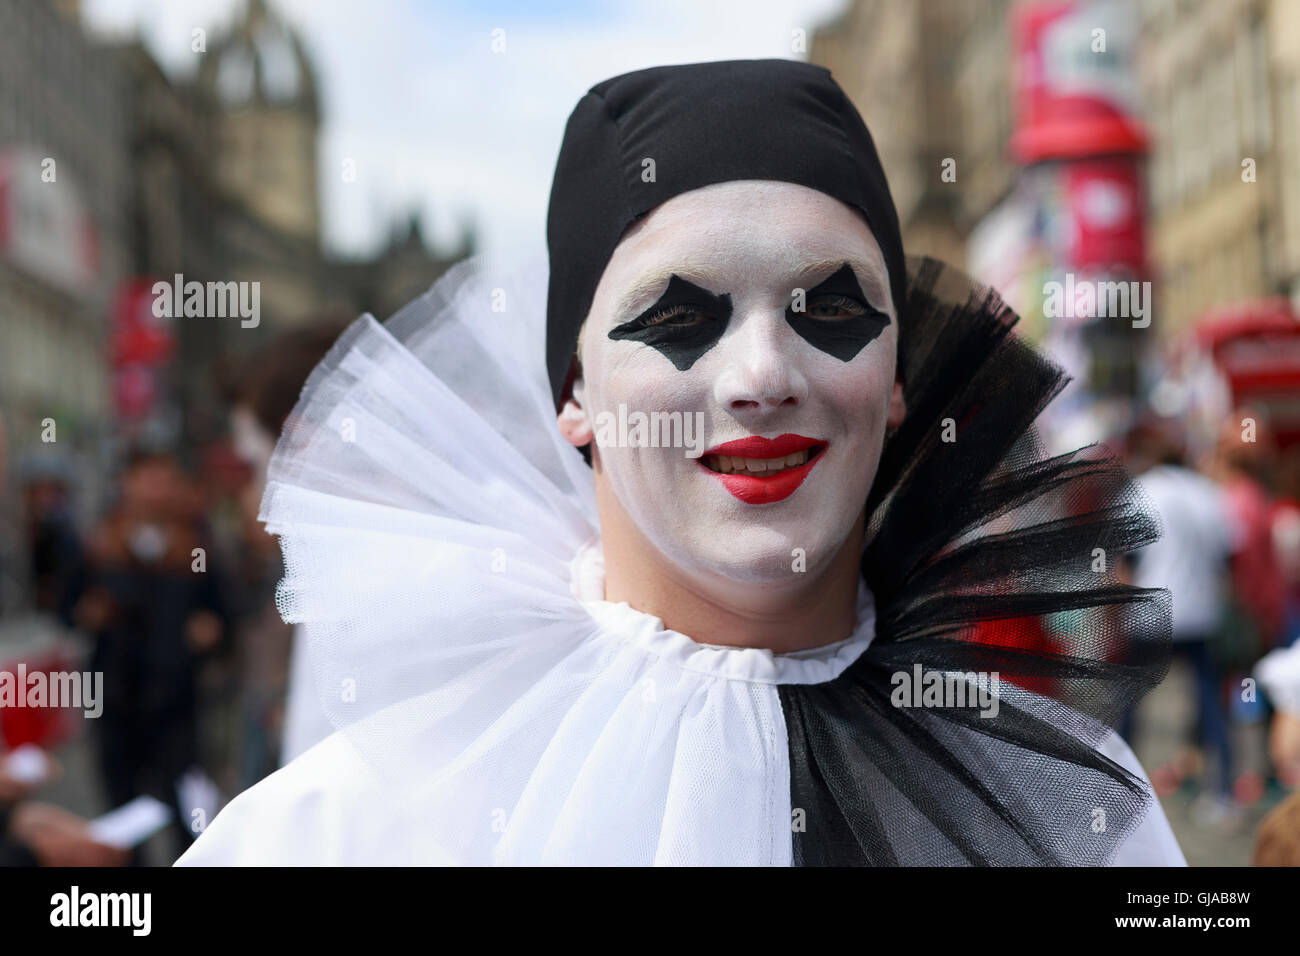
x=761 y=489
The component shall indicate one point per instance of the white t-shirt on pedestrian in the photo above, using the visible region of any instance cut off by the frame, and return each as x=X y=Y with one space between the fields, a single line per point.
x=1191 y=556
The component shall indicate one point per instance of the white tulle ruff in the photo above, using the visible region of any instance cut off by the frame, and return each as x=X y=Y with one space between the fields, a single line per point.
x=433 y=523
x=442 y=558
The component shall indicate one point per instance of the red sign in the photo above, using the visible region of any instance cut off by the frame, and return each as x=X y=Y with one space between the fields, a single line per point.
x=1105 y=212
x=45 y=228
x=1076 y=93
x=142 y=342
x=1256 y=348
x=47 y=727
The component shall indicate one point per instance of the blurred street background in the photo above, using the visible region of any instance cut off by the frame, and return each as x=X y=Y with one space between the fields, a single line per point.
x=1126 y=174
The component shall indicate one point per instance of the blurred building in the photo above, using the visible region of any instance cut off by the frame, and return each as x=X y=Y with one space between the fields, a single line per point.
x=258 y=90
x=65 y=180
x=115 y=175
x=982 y=78
x=1221 y=86
x=932 y=81
x=256 y=95
x=64 y=186
x=177 y=209
x=893 y=61
x=214 y=180
x=267 y=116
x=402 y=269
x=1284 y=46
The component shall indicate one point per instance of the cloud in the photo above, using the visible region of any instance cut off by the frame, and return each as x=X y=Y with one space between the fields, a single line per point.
x=435 y=120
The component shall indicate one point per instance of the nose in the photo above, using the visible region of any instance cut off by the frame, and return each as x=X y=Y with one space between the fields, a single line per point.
x=760 y=373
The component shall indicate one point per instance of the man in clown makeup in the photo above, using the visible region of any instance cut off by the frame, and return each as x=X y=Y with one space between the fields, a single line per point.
x=795 y=406
x=779 y=651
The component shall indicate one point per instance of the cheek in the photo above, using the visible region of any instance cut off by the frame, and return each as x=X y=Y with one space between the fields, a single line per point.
x=625 y=381
x=857 y=392
x=643 y=380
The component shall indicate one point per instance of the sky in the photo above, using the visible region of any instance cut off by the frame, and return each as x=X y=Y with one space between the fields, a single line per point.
x=434 y=120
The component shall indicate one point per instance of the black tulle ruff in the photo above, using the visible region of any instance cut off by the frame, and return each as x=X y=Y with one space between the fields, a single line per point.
x=984 y=556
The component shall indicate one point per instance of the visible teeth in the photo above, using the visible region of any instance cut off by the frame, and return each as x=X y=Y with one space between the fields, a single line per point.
x=731 y=464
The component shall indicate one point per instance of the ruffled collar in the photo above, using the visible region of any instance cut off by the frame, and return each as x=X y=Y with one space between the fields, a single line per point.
x=816 y=665
x=532 y=722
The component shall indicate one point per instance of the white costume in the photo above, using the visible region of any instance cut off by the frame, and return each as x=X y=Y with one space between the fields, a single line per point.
x=442 y=557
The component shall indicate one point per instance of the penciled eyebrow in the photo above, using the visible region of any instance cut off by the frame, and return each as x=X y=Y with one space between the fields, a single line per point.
x=805 y=276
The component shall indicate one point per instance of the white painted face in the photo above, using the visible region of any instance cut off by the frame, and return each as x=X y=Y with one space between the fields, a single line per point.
x=815 y=375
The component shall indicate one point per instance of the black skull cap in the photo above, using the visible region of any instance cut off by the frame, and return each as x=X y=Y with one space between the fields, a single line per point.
x=701 y=123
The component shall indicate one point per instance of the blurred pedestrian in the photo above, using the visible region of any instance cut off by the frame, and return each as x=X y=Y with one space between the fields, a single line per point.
x=1191 y=560
x=40 y=834
x=155 y=607
x=1277 y=842
x=1242 y=467
x=1278 y=673
x=53 y=545
x=1286 y=540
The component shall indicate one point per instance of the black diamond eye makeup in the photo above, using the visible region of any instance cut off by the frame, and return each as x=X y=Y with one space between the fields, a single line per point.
x=837 y=318
x=688 y=320
x=683 y=324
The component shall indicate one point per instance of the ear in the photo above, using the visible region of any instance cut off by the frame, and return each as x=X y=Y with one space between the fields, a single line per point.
x=897 y=407
x=575 y=423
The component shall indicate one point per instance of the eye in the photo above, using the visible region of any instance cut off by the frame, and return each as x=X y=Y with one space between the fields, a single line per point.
x=674 y=316
x=835 y=307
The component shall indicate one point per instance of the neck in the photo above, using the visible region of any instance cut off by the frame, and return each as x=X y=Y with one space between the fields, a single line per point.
x=810 y=610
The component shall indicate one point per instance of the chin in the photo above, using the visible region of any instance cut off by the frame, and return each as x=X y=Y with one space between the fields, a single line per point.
x=763 y=554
